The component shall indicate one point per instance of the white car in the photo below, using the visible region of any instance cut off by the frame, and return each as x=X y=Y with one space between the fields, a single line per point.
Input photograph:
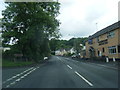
x=73 y=56
x=45 y=58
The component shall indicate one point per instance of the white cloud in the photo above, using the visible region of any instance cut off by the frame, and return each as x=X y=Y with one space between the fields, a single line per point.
x=79 y=17
x=2 y=7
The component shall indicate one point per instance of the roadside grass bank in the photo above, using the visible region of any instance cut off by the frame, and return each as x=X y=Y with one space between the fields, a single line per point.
x=8 y=63
x=11 y=63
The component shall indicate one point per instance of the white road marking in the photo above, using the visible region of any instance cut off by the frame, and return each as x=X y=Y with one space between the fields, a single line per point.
x=7 y=86
x=84 y=78
x=69 y=66
x=17 y=75
x=67 y=58
x=17 y=80
x=72 y=60
x=12 y=83
x=22 y=77
x=38 y=67
x=58 y=57
x=13 y=77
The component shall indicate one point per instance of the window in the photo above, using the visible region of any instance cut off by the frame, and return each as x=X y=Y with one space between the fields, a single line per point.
x=97 y=39
x=103 y=50
x=111 y=34
x=90 y=41
x=103 y=42
x=112 y=50
x=98 y=53
x=119 y=49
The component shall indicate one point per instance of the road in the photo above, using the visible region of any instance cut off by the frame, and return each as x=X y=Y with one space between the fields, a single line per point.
x=61 y=72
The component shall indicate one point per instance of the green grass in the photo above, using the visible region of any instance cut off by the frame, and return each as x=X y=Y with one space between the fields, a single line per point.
x=6 y=63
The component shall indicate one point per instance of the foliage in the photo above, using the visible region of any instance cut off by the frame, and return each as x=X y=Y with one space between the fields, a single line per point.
x=56 y=44
x=29 y=26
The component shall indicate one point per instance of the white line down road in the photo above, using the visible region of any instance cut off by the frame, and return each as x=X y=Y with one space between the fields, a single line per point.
x=22 y=76
x=83 y=78
x=17 y=75
x=69 y=66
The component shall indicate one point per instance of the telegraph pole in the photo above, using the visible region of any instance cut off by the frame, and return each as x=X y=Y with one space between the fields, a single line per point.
x=96 y=26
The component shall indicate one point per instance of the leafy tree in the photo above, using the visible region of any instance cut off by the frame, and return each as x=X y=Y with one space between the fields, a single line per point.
x=56 y=44
x=29 y=26
x=53 y=44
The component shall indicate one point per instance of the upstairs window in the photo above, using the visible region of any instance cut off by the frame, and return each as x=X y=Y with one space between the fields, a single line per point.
x=97 y=39
x=111 y=34
x=90 y=41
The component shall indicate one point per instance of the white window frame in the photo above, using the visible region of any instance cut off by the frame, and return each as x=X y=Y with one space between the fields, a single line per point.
x=111 y=34
x=112 y=48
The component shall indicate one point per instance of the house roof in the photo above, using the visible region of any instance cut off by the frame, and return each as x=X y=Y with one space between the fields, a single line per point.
x=106 y=30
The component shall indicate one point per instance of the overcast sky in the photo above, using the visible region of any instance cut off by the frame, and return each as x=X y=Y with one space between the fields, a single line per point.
x=79 y=17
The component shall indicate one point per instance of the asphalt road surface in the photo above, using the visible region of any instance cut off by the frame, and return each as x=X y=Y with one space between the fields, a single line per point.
x=61 y=72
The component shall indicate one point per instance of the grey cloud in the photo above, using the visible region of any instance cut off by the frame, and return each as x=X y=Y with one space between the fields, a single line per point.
x=81 y=21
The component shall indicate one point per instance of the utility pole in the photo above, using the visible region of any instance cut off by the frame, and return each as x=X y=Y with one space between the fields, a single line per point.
x=96 y=26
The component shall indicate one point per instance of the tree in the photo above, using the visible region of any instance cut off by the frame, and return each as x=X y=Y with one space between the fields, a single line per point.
x=53 y=44
x=0 y=33
x=29 y=26
x=56 y=44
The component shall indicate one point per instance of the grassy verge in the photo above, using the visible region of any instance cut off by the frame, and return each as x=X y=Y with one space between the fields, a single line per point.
x=6 y=63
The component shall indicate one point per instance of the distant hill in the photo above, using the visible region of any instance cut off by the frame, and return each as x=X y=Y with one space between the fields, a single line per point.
x=56 y=44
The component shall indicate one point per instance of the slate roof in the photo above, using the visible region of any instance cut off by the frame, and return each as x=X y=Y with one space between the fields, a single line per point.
x=106 y=30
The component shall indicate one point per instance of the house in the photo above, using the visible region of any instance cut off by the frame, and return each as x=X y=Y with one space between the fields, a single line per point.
x=72 y=51
x=62 y=52
x=105 y=42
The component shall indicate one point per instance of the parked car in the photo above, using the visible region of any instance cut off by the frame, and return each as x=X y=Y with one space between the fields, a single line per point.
x=73 y=56
x=45 y=58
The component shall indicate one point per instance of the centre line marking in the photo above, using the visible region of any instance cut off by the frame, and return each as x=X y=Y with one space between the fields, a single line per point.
x=19 y=79
x=17 y=75
x=69 y=66
x=58 y=57
x=84 y=78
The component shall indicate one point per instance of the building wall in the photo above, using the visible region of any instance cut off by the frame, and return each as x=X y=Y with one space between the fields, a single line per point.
x=114 y=41
x=119 y=40
x=87 y=50
x=119 y=36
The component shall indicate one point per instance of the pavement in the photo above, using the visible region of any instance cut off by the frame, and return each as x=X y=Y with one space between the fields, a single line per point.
x=61 y=72
x=111 y=63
